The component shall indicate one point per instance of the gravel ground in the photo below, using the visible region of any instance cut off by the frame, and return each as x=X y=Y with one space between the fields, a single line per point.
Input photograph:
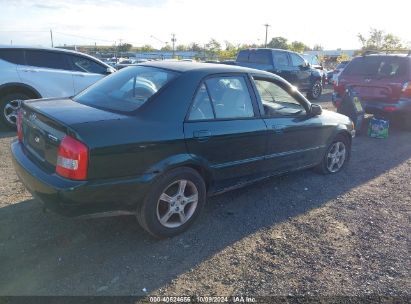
x=298 y=234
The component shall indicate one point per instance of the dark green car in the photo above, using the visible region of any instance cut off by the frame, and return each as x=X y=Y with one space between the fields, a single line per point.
x=155 y=139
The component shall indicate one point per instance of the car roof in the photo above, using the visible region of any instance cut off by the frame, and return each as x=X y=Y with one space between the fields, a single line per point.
x=207 y=68
x=25 y=47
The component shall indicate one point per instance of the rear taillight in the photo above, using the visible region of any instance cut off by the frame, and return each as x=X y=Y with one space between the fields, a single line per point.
x=389 y=109
x=406 y=89
x=72 y=159
x=19 y=127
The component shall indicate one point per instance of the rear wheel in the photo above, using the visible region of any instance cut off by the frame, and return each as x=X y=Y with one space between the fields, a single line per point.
x=315 y=91
x=173 y=203
x=9 y=105
x=336 y=156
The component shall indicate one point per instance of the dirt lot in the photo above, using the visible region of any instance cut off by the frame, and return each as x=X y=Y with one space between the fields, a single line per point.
x=300 y=234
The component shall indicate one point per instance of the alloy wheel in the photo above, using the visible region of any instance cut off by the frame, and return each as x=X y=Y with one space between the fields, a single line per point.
x=10 y=111
x=336 y=156
x=177 y=203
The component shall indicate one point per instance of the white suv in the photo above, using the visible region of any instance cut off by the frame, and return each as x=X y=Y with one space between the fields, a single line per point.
x=30 y=73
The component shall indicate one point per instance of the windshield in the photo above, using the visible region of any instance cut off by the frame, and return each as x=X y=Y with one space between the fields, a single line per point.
x=126 y=90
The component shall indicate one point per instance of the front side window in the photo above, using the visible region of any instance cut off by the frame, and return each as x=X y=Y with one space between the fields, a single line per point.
x=126 y=90
x=46 y=59
x=82 y=64
x=276 y=100
x=230 y=97
x=296 y=60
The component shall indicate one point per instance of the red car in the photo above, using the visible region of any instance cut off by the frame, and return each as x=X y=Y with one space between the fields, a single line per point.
x=383 y=83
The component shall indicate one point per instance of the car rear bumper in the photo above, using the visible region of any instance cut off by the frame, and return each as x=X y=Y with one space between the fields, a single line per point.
x=78 y=198
x=377 y=106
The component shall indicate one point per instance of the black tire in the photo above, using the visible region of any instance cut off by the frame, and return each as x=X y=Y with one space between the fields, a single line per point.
x=5 y=102
x=323 y=167
x=148 y=212
x=315 y=92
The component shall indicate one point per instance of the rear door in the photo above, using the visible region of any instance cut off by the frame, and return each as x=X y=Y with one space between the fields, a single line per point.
x=376 y=78
x=85 y=71
x=224 y=130
x=48 y=72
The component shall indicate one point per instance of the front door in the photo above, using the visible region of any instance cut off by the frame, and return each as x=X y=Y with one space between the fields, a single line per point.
x=224 y=131
x=301 y=72
x=295 y=138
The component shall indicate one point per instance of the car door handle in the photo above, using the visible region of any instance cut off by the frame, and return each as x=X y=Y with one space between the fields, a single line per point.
x=30 y=70
x=278 y=128
x=202 y=135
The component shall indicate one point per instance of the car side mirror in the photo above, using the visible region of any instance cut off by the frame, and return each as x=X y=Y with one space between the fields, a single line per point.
x=110 y=71
x=316 y=109
x=305 y=66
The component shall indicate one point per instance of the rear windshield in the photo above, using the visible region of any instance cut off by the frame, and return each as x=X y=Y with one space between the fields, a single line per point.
x=378 y=66
x=126 y=90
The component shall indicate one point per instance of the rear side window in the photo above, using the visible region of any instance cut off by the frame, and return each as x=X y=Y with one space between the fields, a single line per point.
x=45 y=59
x=230 y=97
x=281 y=59
x=377 y=66
x=82 y=64
x=260 y=57
x=126 y=90
x=201 y=108
x=12 y=55
x=243 y=56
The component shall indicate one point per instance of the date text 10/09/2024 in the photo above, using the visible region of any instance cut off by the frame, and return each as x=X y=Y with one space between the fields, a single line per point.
x=200 y=299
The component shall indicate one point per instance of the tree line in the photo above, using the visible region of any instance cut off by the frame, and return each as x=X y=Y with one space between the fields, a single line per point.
x=376 y=40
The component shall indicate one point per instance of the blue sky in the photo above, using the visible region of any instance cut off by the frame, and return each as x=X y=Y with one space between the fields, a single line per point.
x=333 y=24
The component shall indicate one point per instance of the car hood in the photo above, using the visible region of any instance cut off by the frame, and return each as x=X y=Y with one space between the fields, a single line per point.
x=336 y=117
x=70 y=112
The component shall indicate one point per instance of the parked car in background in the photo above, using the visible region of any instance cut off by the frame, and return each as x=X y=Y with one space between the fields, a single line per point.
x=383 y=83
x=28 y=73
x=289 y=65
x=173 y=133
x=128 y=62
x=315 y=63
x=338 y=69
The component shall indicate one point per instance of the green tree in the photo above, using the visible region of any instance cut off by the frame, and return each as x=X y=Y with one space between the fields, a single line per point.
x=213 y=47
x=124 y=47
x=379 y=40
x=195 y=47
x=166 y=48
x=318 y=47
x=297 y=46
x=343 y=57
x=182 y=47
x=278 y=43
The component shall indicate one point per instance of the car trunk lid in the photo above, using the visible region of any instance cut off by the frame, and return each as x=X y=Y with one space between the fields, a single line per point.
x=46 y=122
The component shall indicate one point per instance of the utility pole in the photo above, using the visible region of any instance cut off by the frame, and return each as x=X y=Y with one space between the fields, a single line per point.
x=266 y=31
x=11 y=42
x=173 y=40
x=51 y=38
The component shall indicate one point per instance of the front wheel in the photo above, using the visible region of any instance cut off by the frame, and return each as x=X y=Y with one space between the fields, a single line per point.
x=173 y=203
x=336 y=156
x=315 y=91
